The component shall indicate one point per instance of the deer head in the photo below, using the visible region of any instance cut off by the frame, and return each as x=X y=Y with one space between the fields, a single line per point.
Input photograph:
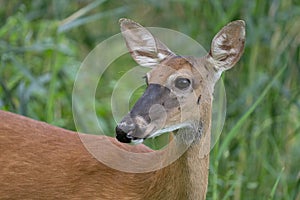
x=179 y=89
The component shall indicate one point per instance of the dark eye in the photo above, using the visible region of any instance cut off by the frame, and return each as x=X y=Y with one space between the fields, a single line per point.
x=182 y=83
x=146 y=79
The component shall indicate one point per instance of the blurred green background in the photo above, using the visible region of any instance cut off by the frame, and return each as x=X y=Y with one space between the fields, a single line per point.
x=42 y=44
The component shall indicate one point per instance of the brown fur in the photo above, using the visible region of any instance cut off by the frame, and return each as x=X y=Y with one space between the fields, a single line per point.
x=40 y=161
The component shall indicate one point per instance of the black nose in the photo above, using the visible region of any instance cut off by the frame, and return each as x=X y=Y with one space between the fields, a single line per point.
x=122 y=136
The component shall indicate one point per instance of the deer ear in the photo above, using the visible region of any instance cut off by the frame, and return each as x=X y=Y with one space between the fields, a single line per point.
x=144 y=48
x=228 y=46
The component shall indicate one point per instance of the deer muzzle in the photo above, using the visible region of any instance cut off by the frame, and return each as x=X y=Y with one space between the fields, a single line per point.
x=149 y=114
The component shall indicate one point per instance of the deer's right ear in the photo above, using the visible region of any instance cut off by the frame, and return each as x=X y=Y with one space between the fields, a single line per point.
x=227 y=46
x=144 y=48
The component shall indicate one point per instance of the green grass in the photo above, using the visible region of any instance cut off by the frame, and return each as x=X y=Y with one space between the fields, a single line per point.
x=42 y=44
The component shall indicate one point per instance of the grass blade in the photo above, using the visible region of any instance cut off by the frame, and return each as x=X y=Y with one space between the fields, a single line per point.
x=81 y=12
x=275 y=185
x=238 y=125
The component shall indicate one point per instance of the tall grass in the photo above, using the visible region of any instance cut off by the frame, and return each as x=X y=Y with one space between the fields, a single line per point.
x=257 y=156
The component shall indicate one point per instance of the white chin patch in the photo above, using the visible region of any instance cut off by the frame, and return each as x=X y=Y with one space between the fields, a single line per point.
x=137 y=141
x=169 y=129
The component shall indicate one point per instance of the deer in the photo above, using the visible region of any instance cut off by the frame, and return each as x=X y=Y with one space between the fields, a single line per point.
x=41 y=161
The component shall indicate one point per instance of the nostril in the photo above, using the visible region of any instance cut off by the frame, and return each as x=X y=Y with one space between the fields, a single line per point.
x=122 y=136
x=119 y=130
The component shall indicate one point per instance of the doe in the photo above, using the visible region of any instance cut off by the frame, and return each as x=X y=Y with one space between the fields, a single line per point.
x=40 y=161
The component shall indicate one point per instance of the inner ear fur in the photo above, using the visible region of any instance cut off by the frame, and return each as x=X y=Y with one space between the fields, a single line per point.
x=144 y=48
x=228 y=45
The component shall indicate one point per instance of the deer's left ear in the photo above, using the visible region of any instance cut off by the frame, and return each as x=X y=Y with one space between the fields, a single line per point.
x=228 y=46
x=144 y=48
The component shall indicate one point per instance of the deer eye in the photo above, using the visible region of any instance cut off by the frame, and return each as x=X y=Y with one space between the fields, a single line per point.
x=146 y=79
x=182 y=83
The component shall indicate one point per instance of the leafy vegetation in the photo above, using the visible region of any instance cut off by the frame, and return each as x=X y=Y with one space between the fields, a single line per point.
x=42 y=44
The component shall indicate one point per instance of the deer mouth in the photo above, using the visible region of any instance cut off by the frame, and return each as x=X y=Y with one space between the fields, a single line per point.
x=129 y=138
x=129 y=132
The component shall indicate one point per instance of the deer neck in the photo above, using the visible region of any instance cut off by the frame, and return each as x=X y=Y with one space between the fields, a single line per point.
x=197 y=164
x=187 y=177
x=195 y=161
